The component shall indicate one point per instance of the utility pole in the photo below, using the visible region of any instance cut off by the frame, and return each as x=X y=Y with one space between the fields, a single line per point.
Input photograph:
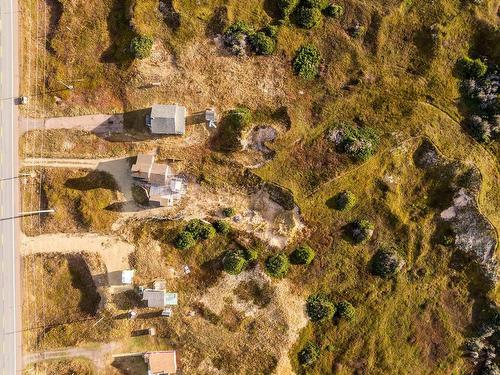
x=28 y=213
x=69 y=87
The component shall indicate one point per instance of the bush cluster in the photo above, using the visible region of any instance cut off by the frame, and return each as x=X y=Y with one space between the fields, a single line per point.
x=262 y=42
x=229 y=212
x=184 y=240
x=309 y=354
x=303 y=254
x=286 y=7
x=362 y=230
x=235 y=261
x=334 y=11
x=345 y=310
x=231 y=128
x=358 y=143
x=195 y=230
x=472 y=68
x=141 y=46
x=277 y=265
x=386 y=263
x=199 y=229
x=306 y=61
x=320 y=308
x=307 y=17
x=222 y=226
x=345 y=200
x=482 y=94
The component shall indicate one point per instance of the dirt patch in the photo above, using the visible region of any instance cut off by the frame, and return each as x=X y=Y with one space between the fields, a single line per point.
x=279 y=319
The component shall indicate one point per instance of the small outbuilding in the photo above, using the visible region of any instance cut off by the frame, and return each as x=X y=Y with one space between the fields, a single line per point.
x=167 y=119
x=161 y=362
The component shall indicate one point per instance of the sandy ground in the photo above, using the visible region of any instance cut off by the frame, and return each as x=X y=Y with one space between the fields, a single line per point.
x=285 y=306
x=98 y=124
x=113 y=251
x=99 y=356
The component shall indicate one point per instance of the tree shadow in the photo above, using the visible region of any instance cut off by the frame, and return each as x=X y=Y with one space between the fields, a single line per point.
x=93 y=180
x=81 y=279
x=120 y=33
x=217 y=23
x=272 y=10
x=171 y=17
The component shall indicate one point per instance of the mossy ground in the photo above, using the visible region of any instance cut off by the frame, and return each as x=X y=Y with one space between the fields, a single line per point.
x=398 y=79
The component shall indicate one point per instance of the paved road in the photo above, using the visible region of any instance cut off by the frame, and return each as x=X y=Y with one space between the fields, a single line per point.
x=10 y=343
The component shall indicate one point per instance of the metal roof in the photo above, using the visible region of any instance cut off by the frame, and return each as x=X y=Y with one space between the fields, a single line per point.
x=168 y=119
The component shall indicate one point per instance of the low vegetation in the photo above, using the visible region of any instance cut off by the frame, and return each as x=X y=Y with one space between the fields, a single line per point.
x=303 y=255
x=320 y=308
x=81 y=199
x=306 y=61
x=277 y=265
x=309 y=354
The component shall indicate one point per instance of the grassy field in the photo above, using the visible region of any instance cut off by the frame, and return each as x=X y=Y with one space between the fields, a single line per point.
x=80 y=198
x=399 y=79
x=63 y=367
x=63 y=283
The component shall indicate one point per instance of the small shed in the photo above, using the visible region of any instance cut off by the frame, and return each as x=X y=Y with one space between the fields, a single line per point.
x=127 y=276
x=161 y=362
x=167 y=119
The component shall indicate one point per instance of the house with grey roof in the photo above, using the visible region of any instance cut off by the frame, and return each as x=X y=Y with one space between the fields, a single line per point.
x=167 y=119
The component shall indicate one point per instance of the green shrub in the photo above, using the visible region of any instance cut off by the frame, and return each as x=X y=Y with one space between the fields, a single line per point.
x=362 y=230
x=262 y=44
x=271 y=31
x=231 y=128
x=345 y=310
x=334 y=11
x=238 y=28
x=199 y=229
x=234 y=263
x=472 y=68
x=286 y=7
x=320 y=4
x=358 y=143
x=345 y=200
x=358 y=31
x=141 y=46
x=251 y=255
x=306 y=61
x=277 y=265
x=320 y=308
x=229 y=212
x=309 y=354
x=307 y=17
x=304 y=254
x=222 y=226
x=184 y=240
x=386 y=263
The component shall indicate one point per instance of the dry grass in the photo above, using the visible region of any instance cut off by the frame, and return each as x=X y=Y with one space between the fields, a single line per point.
x=80 y=198
x=75 y=366
x=396 y=79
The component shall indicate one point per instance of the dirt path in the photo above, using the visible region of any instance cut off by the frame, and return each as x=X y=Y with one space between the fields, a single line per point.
x=119 y=168
x=113 y=251
x=100 y=356
x=98 y=124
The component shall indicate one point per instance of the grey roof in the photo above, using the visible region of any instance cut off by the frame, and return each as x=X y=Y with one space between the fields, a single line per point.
x=155 y=298
x=168 y=119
